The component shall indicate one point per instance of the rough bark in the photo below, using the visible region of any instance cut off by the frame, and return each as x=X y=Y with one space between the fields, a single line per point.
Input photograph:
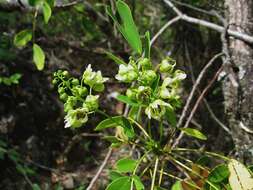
x=239 y=100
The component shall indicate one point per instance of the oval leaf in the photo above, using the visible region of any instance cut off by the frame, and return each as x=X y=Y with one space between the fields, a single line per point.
x=126 y=100
x=137 y=182
x=126 y=165
x=22 y=38
x=122 y=183
x=240 y=178
x=128 y=27
x=47 y=12
x=194 y=133
x=177 y=186
x=38 y=57
x=219 y=173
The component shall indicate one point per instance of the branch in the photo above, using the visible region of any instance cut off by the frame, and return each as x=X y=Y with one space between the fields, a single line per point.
x=94 y=179
x=202 y=73
x=196 y=106
x=238 y=35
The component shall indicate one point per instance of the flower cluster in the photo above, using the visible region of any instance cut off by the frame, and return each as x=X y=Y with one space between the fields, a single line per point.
x=148 y=89
x=77 y=95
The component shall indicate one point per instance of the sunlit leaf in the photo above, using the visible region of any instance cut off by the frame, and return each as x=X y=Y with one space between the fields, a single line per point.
x=126 y=165
x=47 y=12
x=137 y=182
x=194 y=133
x=38 y=57
x=122 y=183
x=116 y=59
x=219 y=173
x=240 y=178
x=22 y=38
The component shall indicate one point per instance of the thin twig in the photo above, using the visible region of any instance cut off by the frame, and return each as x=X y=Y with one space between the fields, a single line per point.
x=196 y=106
x=242 y=36
x=94 y=179
x=170 y=22
x=209 y=109
x=194 y=88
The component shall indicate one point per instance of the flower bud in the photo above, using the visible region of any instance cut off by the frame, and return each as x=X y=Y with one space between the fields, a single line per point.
x=64 y=96
x=75 y=82
x=143 y=94
x=131 y=93
x=145 y=64
x=83 y=91
x=99 y=87
x=55 y=81
x=167 y=65
x=148 y=77
x=65 y=73
x=91 y=102
x=61 y=90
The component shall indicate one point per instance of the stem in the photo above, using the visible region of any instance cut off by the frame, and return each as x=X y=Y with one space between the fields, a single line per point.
x=34 y=24
x=140 y=127
x=199 y=151
x=154 y=174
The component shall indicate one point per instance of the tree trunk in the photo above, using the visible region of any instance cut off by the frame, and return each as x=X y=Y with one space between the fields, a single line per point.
x=239 y=100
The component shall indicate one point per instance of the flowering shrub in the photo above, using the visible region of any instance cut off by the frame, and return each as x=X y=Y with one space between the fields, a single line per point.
x=149 y=125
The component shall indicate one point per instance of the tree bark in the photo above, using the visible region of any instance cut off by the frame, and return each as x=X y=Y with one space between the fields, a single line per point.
x=239 y=100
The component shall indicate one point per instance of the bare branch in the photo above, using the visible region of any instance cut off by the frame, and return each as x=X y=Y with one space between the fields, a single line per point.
x=241 y=36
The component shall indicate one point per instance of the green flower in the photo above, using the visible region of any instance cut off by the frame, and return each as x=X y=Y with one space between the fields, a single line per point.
x=70 y=103
x=94 y=79
x=76 y=118
x=167 y=65
x=131 y=93
x=147 y=77
x=143 y=94
x=91 y=102
x=145 y=64
x=127 y=73
x=157 y=109
x=179 y=75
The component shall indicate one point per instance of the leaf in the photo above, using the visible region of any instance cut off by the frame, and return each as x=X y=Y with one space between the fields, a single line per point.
x=126 y=165
x=137 y=182
x=127 y=27
x=38 y=57
x=219 y=173
x=114 y=175
x=22 y=38
x=116 y=59
x=177 y=186
x=240 y=178
x=47 y=12
x=147 y=45
x=122 y=183
x=127 y=100
x=117 y=121
x=194 y=133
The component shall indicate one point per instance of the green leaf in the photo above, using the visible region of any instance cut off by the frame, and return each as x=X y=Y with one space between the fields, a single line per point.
x=240 y=178
x=194 y=133
x=47 y=12
x=137 y=182
x=114 y=175
x=22 y=38
x=147 y=45
x=38 y=57
x=219 y=173
x=127 y=100
x=116 y=59
x=122 y=183
x=130 y=30
x=110 y=122
x=126 y=165
x=117 y=121
x=177 y=186
x=203 y=161
x=133 y=113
